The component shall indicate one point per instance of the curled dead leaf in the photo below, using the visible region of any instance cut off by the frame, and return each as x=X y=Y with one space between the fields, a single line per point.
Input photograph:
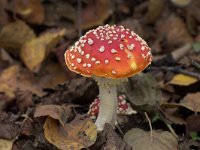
x=30 y=10
x=51 y=75
x=190 y=101
x=14 y=78
x=57 y=112
x=80 y=133
x=35 y=51
x=176 y=31
x=15 y=34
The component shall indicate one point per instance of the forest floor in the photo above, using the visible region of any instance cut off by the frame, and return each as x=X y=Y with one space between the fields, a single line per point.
x=43 y=105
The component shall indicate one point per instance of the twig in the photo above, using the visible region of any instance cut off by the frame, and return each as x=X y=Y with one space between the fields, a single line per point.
x=119 y=129
x=26 y=117
x=177 y=54
x=79 y=18
x=177 y=70
x=150 y=126
x=182 y=51
x=196 y=64
x=171 y=130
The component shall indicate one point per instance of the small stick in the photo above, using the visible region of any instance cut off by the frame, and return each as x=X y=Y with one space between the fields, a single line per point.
x=79 y=19
x=150 y=126
x=119 y=129
x=177 y=70
x=177 y=54
x=171 y=130
x=196 y=64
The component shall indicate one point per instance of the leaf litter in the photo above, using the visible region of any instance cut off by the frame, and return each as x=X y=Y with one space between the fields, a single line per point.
x=37 y=90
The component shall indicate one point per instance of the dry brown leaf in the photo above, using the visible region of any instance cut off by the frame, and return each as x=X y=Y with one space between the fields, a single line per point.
x=172 y=115
x=24 y=99
x=175 y=31
x=14 y=78
x=193 y=9
x=35 y=51
x=13 y=35
x=51 y=75
x=6 y=144
x=140 y=140
x=96 y=13
x=61 y=10
x=135 y=25
x=155 y=9
x=183 y=80
x=191 y=101
x=30 y=10
x=57 y=112
x=4 y=19
x=80 y=133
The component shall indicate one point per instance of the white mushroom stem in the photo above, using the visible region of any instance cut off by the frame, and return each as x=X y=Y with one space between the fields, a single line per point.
x=108 y=102
x=108 y=106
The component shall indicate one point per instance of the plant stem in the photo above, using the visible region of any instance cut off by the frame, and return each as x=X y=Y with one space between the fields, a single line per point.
x=150 y=126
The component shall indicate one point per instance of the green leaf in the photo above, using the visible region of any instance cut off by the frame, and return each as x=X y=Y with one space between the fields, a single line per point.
x=194 y=136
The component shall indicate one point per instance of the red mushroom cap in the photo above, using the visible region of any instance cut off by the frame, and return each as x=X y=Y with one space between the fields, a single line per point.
x=109 y=51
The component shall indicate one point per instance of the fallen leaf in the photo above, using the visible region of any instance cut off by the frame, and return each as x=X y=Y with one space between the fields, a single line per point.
x=16 y=77
x=141 y=90
x=172 y=115
x=191 y=101
x=35 y=51
x=191 y=126
x=14 y=35
x=141 y=140
x=176 y=32
x=4 y=19
x=95 y=13
x=80 y=133
x=136 y=26
x=61 y=10
x=51 y=75
x=193 y=9
x=6 y=144
x=23 y=99
x=183 y=80
x=56 y=112
x=30 y=10
x=28 y=128
x=155 y=9
x=9 y=130
x=181 y=3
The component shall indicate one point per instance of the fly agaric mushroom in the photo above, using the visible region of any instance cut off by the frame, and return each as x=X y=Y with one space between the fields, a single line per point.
x=108 y=54
x=123 y=108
